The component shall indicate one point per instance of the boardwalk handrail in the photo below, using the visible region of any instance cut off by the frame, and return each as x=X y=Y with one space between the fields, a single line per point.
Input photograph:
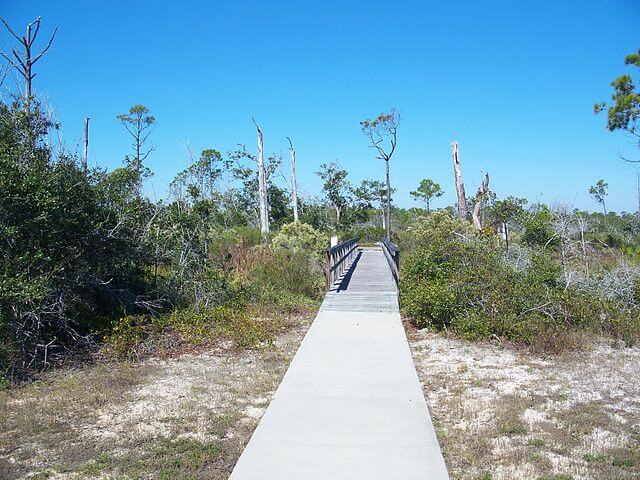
x=392 y=254
x=338 y=258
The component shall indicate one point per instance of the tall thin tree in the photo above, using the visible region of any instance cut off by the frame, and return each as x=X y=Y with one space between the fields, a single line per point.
x=294 y=185
x=24 y=61
x=139 y=123
x=262 y=183
x=379 y=131
x=463 y=212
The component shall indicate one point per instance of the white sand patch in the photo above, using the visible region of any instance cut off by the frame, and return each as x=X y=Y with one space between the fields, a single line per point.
x=562 y=400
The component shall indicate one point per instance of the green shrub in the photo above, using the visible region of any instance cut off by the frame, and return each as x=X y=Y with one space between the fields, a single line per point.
x=281 y=278
x=300 y=239
x=465 y=284
x=537 y=230
x=138 y=336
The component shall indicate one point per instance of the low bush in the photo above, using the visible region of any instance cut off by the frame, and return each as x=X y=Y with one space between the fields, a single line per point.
x=281 y=278
x=253 y=303
x=456 y=281
x=138 y=336
x=300 y=239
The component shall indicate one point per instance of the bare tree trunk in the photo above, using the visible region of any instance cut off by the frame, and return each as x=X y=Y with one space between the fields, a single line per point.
x=262 y=188
x=138 y=166
x=388 y=223
x=294 y=185
x=480 y=196
x=581 y=222
x=85 y=158
x=506 y=235
x=462 y=199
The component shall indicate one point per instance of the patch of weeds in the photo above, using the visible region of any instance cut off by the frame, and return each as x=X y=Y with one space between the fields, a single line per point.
x=594 y=458
x=536 y=442
x=624 y=462
x=458 y=389
x=97 y=466
x=513 y=428
x=559 y=476
x=47 y=415
x=581 y=419
x=478 y=382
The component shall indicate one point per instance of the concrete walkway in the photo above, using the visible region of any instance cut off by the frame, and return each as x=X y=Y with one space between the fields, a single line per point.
x=350 y=406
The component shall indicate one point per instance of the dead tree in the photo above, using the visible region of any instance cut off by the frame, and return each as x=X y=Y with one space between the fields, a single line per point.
x=294 y=185
x=25 y=60
x=85 y=158
x=462 y=199
x=262 y=184
x=483 y=189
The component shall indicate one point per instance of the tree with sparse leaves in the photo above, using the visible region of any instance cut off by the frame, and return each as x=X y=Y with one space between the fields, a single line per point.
x=507 y=210
x=599 y=192
x=382 y=133
x=427 y=190
x=140 y=124
x=624 y=111
x=336 y=187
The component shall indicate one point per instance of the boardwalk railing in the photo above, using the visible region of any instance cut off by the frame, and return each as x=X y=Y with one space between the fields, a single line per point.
x=392 y=254
x=338 y=259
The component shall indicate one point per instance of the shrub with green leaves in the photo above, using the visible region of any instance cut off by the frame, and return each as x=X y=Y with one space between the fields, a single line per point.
x=300 y=238
x=455 y=281
x=66 y=262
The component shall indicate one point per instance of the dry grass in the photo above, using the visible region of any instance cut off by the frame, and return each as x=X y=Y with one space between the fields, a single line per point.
x=503 y=413
x=176 y=418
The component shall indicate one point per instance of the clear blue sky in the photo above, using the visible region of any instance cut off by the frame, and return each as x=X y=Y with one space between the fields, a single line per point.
x=513 y=82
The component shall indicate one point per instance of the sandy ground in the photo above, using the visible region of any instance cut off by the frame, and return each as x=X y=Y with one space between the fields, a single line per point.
x=185 y=417
x=504 y=413
x=500 y=412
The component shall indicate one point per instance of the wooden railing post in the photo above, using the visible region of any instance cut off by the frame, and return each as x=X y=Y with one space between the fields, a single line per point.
x=392 y=254
x=338 y=258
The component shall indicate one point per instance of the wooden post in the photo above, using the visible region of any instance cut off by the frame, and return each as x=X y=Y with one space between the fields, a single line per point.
x=85 y=158
x=328 y=271
x=294 y=186
x=462 y=199
x=262 y=187
x=388 y=225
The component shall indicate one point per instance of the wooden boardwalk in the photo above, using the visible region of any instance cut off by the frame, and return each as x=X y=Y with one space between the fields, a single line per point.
x=350 y=406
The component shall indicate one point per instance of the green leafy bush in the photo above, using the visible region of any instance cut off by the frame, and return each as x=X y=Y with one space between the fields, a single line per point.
x=537 y=228
x=138 y=336
x=66 y=262
x=464 y=284
x=281 y=278
x=300 y=238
